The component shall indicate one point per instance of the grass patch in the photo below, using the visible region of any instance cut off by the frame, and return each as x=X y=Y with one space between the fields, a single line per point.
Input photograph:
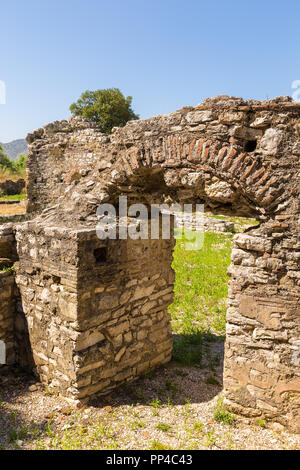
x=135 y=425
x=262 y=423
x=75 y=436
x=163 y=427
x=201 y=290
x=156 y=445
x=188 y=349
x=211 y=380
x=14 y=197
x=7 y=269
x=222 y=415
x=15 y=435
x=198 y=426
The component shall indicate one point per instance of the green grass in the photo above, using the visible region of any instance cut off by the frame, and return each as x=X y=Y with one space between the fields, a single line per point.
x=156 y=445
x=222 y=415
x=15 y=197
x=16 y=435
x=198 y=311
x=188 y=349
x=211 y=380
x=7 y=269
x=201 y=287
x=163 y=427
x=135 y=425
x=262 y=423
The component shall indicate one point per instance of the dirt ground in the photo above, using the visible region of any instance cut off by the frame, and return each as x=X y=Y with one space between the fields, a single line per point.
x=172 y=407
x=12 y=209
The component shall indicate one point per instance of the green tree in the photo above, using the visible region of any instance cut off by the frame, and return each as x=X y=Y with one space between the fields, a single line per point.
x=9 y=167
x=20 y=164
x=5 y=161
x=109 y=108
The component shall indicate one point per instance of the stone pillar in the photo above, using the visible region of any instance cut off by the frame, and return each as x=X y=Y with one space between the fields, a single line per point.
x=96 y=310
x=123 y=301
x=46 y=276
x=262 y=358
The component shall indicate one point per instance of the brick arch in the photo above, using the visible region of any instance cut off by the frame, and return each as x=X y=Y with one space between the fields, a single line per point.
x=226 y=161
x=112 y=322
x=259 y=303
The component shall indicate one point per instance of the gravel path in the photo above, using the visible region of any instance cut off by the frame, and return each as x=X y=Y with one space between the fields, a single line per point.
x=171 y=408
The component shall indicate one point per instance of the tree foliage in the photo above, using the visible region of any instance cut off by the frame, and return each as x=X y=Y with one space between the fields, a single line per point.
x=20 y=164
x=5 y=161
x=109 y=108
x=7 y=164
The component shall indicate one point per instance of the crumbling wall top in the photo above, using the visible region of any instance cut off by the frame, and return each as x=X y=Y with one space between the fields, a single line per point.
x=252 y=147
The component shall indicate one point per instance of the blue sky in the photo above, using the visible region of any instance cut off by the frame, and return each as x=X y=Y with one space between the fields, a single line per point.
x=165 y=53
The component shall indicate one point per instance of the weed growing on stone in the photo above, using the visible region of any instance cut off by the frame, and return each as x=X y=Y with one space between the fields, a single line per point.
x=222 y=415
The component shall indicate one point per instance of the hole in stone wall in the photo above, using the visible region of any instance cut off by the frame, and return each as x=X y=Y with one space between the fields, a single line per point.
x=100 y=255
x=250 y=145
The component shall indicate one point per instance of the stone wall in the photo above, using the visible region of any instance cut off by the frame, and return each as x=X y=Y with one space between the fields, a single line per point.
x=96 y=310
x=8 y=255
x=54 y=163
x=7 y=315
x=236 y=157
x=261 y=374
x=7 y=243
x=198 y=154
x=200 y=222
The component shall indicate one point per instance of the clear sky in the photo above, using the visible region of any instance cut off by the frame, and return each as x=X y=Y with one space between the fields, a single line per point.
x=165 y=53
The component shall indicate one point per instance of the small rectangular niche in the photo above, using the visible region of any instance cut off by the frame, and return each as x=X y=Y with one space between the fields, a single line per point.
x=100 y=255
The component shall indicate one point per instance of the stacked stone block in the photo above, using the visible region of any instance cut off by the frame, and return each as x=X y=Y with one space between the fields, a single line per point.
x=96 y=309
x=261 y=374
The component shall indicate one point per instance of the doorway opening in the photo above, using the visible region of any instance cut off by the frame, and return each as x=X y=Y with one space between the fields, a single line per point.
x=198 y=312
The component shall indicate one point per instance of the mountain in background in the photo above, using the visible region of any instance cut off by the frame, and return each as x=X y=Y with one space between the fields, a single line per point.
x=14 y=148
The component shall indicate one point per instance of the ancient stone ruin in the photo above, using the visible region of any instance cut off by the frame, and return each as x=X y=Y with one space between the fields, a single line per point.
x=88 y=315
x=10 y=188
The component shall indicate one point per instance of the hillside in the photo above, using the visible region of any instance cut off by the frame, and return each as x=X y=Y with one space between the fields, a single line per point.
x=14 y=148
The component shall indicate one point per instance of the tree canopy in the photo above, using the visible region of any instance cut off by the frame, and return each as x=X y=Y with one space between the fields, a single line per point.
x=5 y=161
x=14 y=166
x=109 y=108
